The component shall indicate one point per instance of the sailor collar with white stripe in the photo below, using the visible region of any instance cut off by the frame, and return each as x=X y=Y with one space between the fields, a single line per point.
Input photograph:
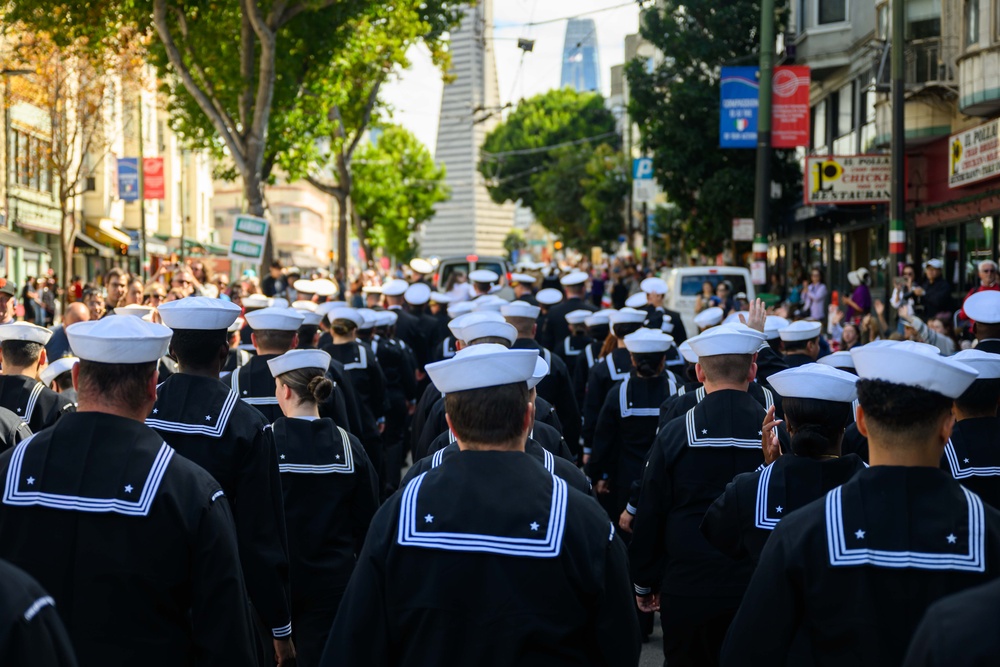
x=964 y=464
x=341 y=455
x=850 y=542
x=241 y=379
x=625 y=400
x=360 y=362
x=28 y=484
x=705 y=434
x=613 y=370
x=27 y=390
x=190 y=409
x=548 y=459
x=568 y=348
x=700 y=394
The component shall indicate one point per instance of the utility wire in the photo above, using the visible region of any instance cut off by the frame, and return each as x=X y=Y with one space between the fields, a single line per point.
x=543 y=149
x=574 y=16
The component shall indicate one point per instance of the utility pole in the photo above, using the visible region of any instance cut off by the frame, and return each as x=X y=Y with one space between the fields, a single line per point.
x=142 y=200
x=897 y=213
x=762 y=185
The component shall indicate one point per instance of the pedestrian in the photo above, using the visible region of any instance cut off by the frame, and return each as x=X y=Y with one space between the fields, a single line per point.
x=22 y=354
x=58 y=345
x=58 y=376
x=274 y=283
x=134 y=544
x=115 y=286
x=8 y=301
x=847 y=577
x=988 y=282
x=206 y=423
x=934 y=294
x=983 y=310
x=93 y=299
x=330 y=492
x=800 y=341
x=815 y=297
x=859 y=303
x=555 y=579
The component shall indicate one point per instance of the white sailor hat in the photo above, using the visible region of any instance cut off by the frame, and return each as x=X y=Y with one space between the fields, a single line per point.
x=637 y=300
x=577 y=316
x=372 y=289
x=324 y=287
x=522 y=278
x=482 y=366
x=395 y=287
x=541 y=370
x=236 y=325
x=58 y=367
x=294 y=360
x=368 y=318
x=25 y=331
x=934 y=264
x=549 y=296
x=275 y=319
x=842 y=359
x=709 y=317
x=983 y=307
x=727 y=339
x=199 y=313
x=648 y=340
x=136 y=310
x=823 y=383
x=629 y=316
x=303 y=285
x=733 y=318
x=686 y=352
x=311 y=317
x=385 y=318
x=800 y=330
x=484 y=276
x=325 y=308
x=597 y=319
x=305 y=306
x=474 y=329
x=257 y=301
x=421 y=266
x=458 y=325
x=280 y=302
x=574 y=278
x=489 y=302
x=773 y=324
x=344 y=313
x=459 y=308
x=987 y=363
x=653 y=285
x=417 y=294
x=440 y=297
x=119 y=340
x=912 y=364
x=520 y=309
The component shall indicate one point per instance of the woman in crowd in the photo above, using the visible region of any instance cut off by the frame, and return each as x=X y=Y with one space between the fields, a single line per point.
x=859 y=303
x=707 y=298
x=330 y=496
x=815 y=297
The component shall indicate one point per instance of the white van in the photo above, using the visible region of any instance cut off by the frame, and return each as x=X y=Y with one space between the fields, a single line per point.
x=685 y=285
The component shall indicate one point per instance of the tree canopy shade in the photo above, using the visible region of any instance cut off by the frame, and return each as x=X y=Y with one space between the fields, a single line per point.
x=676 y=105
x=552 y=152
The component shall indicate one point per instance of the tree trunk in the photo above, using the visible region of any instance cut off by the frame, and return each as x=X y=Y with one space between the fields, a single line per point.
x=359 y=229
x=343 y=222
x=254 y=192
x=67 y=235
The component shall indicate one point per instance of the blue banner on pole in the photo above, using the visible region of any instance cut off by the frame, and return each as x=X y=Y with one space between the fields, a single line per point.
x=738 y=112
x=128 y=179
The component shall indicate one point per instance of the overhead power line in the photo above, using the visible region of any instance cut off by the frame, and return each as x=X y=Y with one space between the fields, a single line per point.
x=543 y=149
x=574 y=16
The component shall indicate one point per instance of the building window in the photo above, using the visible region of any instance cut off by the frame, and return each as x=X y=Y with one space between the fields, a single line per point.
x=845 y=109
x=831 y=11
x=971 y=23
x=30 y=158
x=882 y=21
x=820 y=133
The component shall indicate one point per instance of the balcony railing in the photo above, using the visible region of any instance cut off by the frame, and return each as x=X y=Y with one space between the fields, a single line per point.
x=924 y=64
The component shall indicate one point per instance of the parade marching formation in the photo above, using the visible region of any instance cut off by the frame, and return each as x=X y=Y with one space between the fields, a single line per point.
x=508 y=474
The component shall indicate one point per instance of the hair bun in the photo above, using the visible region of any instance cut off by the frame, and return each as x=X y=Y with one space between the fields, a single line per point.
x=321 y=387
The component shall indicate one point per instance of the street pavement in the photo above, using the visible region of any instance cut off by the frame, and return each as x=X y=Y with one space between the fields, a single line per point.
x=652 y=651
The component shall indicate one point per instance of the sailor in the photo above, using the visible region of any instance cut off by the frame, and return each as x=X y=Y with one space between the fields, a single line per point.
x=205 y=422
x=330 y=491
x=573 y=346
x=841 y=360
x=438 y=307
x=849 y=575
x=560 y=462
x=308 y=334
x=598 y=330
x=373 y=296
x=770 y=359
x=575 y=284
x=972 y=454
x=959 y=629
x=58 y=377
x=661 y=317
x=818 y=404
x=408 y=327
x=237 y=357
x=546 y=299
x=22 y=353
x=484 y=282
x=557 y=386
x=800 y=340
x=365 y=376
x=422 y=270
x=676 y=571
x=251 y=303
x=398 y=367
x=708 y=318
x=983 y=308
x=31 y=632
x=627 y=423
x=134 y=542
x=417 y=297
x=616 y=366
x=458 y=569
x=523 y=285
x=12 y=429
x=323 y=309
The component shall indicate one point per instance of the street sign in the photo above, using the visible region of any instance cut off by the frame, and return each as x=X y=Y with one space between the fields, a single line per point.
x=643 y=185
x=642 y=169
x=790 y=107
x=739 y=102
x=128 y=179
x=743 y=229
x=249 y=237
x=974 y=155
x=848 y=179
x=738 y=115
x=154 y=185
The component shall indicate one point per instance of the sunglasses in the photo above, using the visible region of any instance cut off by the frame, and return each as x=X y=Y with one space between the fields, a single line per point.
x=987 y=270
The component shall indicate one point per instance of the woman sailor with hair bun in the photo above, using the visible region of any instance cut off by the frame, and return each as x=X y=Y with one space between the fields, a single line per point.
x=330 y=496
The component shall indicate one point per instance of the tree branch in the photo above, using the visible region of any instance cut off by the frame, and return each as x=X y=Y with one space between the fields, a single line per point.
x=366 y=116
x=332 y=189
x=246 y=65
x=299 y=7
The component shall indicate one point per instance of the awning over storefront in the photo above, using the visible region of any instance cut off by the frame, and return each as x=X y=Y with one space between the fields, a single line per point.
x=13 y=240
x=154 y=246
x=88 y=246
x=104 y=231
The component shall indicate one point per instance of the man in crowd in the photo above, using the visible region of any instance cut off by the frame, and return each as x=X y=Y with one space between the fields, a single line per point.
x=983 y=308
x=22 y=353
x=988 y=282
x=8 y=301
x=274 y=283
x=934 y=295
x=800 y=341
x=58 y=345
x=115 y=286
x=556 y=327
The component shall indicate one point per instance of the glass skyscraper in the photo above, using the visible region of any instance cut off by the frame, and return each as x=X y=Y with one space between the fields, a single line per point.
x=581 y=68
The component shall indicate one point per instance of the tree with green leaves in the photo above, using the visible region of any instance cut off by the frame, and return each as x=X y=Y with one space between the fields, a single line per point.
x=676 y=105
x=395 y=185
x=551 y=153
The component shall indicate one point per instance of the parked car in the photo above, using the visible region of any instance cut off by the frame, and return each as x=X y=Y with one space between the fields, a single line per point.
x=685 y=285
x=468 y=263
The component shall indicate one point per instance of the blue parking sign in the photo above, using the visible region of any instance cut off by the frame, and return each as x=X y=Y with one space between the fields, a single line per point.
x=642 y=169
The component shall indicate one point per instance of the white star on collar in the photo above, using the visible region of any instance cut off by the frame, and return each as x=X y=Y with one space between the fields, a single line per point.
x=952 y=539
x=244 y=392
x=534 y=525
x=429 y=518
x=704 y=431
x=208 y=417
x=760 y=433
x=965 y=460
x=155 y=410
x=19 y=409
x=860 y=534
x=128 y=488
x=30 y=481
x=779 y=509
x=282 y=457
x=337 y=457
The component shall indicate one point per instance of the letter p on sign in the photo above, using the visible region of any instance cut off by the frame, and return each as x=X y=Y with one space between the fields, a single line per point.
x=642 y=169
